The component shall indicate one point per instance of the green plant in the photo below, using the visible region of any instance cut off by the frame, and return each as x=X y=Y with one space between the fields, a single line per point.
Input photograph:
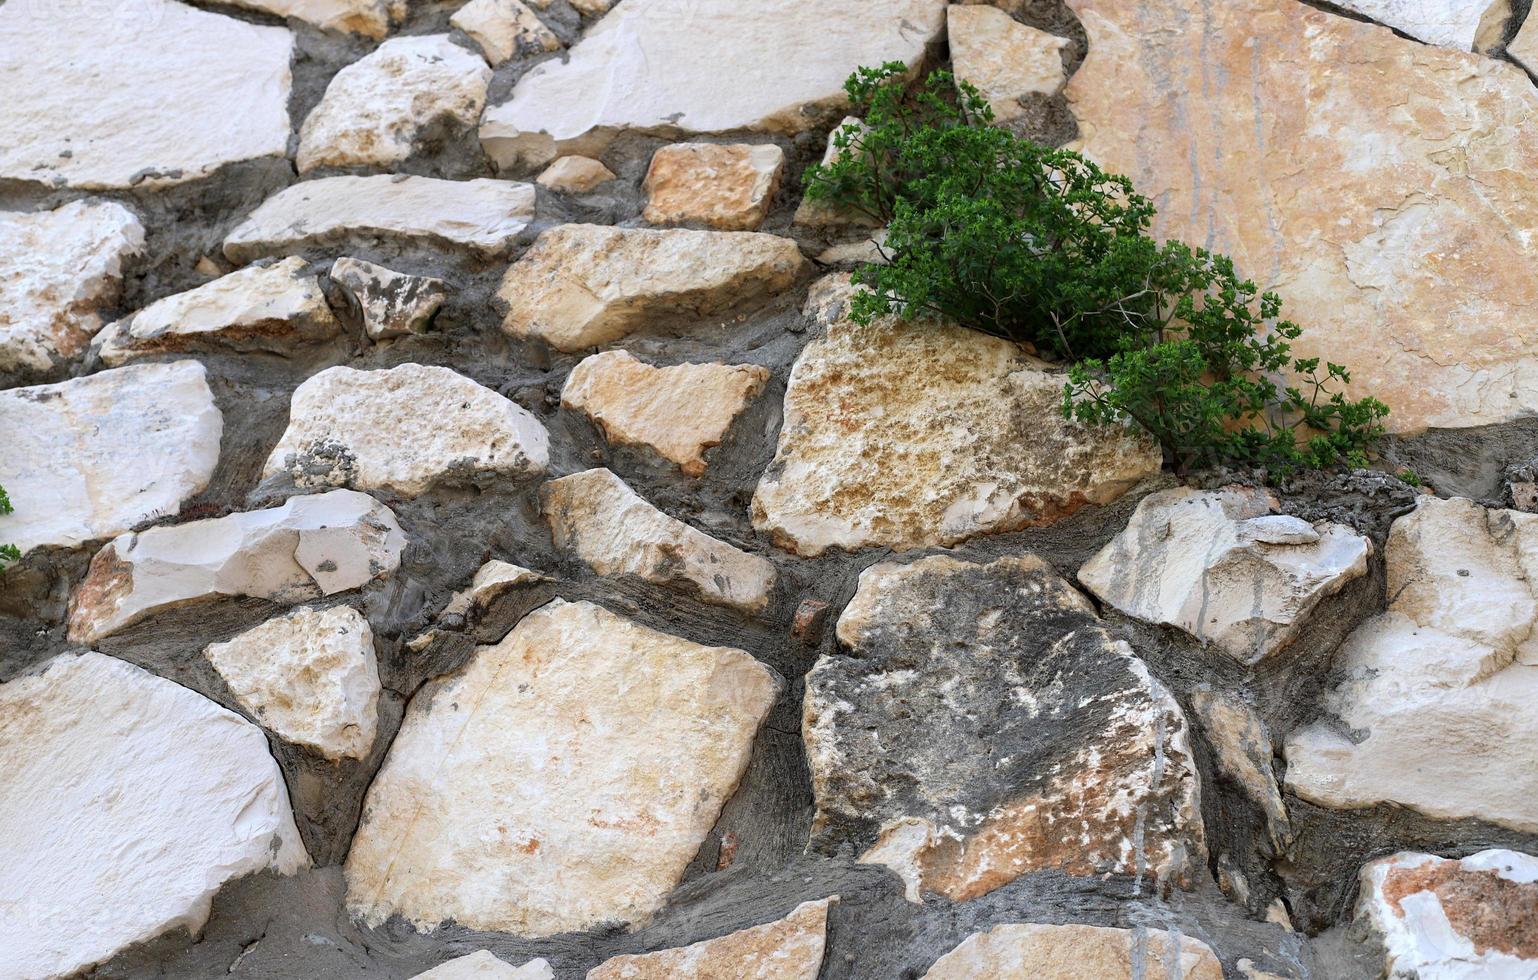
x=8 y=552
x=1041 y=246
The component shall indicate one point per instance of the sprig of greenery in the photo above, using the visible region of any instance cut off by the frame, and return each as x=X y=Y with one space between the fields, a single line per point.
x=8 y=552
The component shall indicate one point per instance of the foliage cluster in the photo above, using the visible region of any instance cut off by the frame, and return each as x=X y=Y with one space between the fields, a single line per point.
x=1041 y=246
x=8 y=552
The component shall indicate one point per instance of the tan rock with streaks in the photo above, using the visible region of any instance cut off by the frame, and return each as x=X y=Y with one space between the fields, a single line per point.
x=787 y=949
x=1075 y=952
x=574 y=175
x=727 y=186
x=1005 y=59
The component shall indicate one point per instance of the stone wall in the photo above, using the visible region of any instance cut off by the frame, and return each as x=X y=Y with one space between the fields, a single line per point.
x=464 y=534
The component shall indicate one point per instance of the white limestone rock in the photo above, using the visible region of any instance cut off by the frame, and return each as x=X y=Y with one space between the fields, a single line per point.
x=1471 y=25
x=562 y=780
x=309 y=677
x=101 y=95
x=616 y=532
x=505 y=29
x=483 y=965
x=680 y=67
x=369 y=18
x=574 y=175
x=390 y=303
x=92 y=457
x=1077 y=952
x=1438 y=708
x=786 y=949
x=264 y=308
x=1223 y=567
x=404 y=430
x=376 y=108
x=481 y=216
x=1005 y=59
x=126 y=801
x=58 y=269
x=308 y=548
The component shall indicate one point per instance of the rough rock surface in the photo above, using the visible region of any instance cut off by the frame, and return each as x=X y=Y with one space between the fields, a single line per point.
x=504 y=29
x=574 y=175
x=491 y=580
x=484 y=966
x=1376 y=185
x=1005 y=59
x=268 y=308
x=308 y=548
x=679 y=67
x=1224 y=567
x=390 y=303
x=403 y=430
x=596 y=757
x=126 y=801
x=1467 y=24
x=1438 y=919
x=204 y=90
x=727 y=186
x=377 y=108
x=610 y=527
x=1243 y=749
x=92 y=457
x=1438 y=706
x=679 y=411
x=1075 y=952
x=309 y=677
x=482 y=216
x=583 y=285
x=984 y=725
x=57 y=270
x=906 y=434
x=788 y=949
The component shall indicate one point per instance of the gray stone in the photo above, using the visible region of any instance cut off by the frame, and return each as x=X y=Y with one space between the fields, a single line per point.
x=391 y=304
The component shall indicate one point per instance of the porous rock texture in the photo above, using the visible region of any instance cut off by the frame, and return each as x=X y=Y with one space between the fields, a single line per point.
x=1076 y=952
x=788 y=949
x=724 y=186
x=504 y=29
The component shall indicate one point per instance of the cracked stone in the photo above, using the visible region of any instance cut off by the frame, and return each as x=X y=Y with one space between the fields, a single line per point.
x=727 y=186
x=505 y=29
x=788 y=949
x=1077 y=952
x=1004 y=58
x=390 y=303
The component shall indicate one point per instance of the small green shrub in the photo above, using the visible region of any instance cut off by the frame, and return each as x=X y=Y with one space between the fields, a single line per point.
x=8 y=552
x=1041 y=246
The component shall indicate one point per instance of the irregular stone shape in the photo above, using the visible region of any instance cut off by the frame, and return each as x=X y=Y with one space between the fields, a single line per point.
x=377 y=108
x=308 y=548
x=727 y=186
x=1472 y=25
x=903 y=434
x=1087 y=768
x=1223 y=567
x=370 y=18
x=101 y=97
x=482 y=216
x=89 y=458
x=683 y=67
x=1075 y=952
x=1438 y=708
x=1004 y=58
x=574 y=175
x=266 y=308
x=1437 y=919
x=126 y=801
x=309 y=677
x=504 y=29
x=484 y=966
x=1243 y=749
x=390 y=303
x=404 y=430
x=1379 y=186
x=678 y=411
x=57 y=270
x=583 y=285
x=824 y=214
x=596 y=758
x=490 y=581
x=788 y=949
x=613 y=530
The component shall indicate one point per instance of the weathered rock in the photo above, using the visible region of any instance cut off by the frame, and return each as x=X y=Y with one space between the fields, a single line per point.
x=308 y=548
x=377 y=108
x=727 y=186
x=481 y=216
x=57 y=270
x=611 y=528
x=484 y=966
x=1004 y=58
x=1243 y=749
x=504 y=29
x=1378 y=186
x=309 y=677
x=1524 y=47
x=788 y=949
x=574 y=175
x=490 y=581
x=90 y=458
x=263 y=308
x=167 y=94
x=126 y=801
x=906 y=434
x=682 y=67
x=1224 y=567
x=390 y=303
x=1075 y=952
x=583 y=285
x=824 y=214
x=678 y=411
x=1436 y=919
x=370 y=18
x=983 y=725
x=1438 y=708
x=1472 y=25
x=596 y=759
x=404 y=430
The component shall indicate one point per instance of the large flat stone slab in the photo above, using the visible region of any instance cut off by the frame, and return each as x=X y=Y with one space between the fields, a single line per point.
x=1075 y=952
